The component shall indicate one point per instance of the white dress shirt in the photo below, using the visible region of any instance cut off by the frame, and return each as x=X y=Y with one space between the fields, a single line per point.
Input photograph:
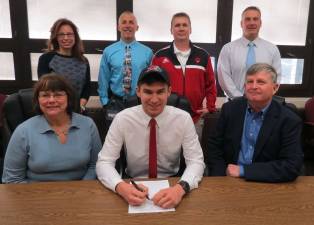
x=232 y=63
x=175 y=129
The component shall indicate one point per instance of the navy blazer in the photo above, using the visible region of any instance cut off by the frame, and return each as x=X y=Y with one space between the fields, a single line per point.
x=278 y=155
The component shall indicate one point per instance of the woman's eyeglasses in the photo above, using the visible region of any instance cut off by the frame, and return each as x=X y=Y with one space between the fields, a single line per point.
x=62 y=35
x=45 y=95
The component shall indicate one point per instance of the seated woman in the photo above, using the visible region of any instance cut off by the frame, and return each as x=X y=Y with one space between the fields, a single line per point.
x=64 y=56
x=56 y=145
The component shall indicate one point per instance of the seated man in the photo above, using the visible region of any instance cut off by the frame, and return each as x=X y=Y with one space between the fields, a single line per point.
x=134 y=128
x=256 y=137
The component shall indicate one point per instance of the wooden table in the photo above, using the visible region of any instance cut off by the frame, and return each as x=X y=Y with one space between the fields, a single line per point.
x=218 y=200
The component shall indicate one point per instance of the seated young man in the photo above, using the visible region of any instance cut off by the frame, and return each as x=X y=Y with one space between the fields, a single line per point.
x=152 y=134
x=257 y=138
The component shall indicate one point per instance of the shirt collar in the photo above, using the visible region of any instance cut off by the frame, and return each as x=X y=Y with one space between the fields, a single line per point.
x=183 y=53
x=262 y=112
x=43 y=125
x=131 y=44
x=146 y=118
x=159 y=118
x=246 y=41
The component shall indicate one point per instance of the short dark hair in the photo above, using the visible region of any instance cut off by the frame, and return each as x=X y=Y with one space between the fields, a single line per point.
x=54 y=82
x=180 y=14
x=251 y=8
x=259 y=67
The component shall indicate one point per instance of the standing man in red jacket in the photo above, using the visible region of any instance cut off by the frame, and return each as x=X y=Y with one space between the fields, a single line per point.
x=189 y=67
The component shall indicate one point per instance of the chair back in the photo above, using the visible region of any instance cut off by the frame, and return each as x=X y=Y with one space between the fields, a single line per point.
x=289 y=105
x=309 y=111
x=174 y=99
x=2 y=98
x=308 y=131
x=17 y=108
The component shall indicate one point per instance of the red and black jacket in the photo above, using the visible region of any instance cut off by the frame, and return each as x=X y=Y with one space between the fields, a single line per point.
x=197 y=83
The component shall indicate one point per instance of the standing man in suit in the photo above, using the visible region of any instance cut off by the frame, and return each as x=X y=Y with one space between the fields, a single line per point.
x=257 y=138
x=190 y=69
x=237 y=56
x=122 y=63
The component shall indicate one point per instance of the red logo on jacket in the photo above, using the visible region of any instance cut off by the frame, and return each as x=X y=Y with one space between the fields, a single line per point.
x=165 y=60
x=197 y=60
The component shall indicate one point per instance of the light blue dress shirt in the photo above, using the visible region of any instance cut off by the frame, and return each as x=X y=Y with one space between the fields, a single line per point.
x=111 y=68
x=34 y=152
x=252 y=125
x=231 y=66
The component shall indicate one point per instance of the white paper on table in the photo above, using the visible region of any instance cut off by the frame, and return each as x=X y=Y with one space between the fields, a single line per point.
x=148 y=206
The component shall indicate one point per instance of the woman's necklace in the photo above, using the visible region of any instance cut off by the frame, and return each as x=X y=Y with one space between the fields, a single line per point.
x=63 y=131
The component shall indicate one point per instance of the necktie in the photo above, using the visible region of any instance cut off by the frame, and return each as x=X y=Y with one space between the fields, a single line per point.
x=152 y=149
x=250 y=58
x=127 y=70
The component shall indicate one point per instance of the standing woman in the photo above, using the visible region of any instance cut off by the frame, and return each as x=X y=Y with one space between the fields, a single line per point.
x=64 y=55
x=55 y=145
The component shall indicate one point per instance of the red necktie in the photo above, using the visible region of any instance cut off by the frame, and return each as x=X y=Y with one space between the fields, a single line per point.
x=152 y=149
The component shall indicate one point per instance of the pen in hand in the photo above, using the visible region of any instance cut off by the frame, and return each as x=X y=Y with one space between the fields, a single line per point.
x=138 y=188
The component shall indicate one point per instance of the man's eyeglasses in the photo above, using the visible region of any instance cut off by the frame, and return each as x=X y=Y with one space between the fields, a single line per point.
x=62 y=35
x=56 y=95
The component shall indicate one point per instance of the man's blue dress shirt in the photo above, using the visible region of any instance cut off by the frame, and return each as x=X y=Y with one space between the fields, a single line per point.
x=111 y=68
x=252 y=125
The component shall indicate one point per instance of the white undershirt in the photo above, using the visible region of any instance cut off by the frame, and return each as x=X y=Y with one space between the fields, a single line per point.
x=182 y=56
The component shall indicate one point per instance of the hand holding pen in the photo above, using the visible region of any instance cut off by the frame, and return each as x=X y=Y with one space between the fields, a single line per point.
x=138 y=188
x=134 y=194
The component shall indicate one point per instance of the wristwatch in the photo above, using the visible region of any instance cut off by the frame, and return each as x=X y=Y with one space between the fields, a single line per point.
x=185 y=185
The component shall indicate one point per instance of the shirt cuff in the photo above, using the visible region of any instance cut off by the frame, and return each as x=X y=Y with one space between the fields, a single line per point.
x=104 y=100
x=115 y=182
x=241 y=171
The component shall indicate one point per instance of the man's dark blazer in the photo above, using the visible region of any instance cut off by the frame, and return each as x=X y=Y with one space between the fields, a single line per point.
x=278 y=155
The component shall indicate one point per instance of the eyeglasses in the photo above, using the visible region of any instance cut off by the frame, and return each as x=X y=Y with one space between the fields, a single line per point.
x=62 y=35
x=56 y=95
